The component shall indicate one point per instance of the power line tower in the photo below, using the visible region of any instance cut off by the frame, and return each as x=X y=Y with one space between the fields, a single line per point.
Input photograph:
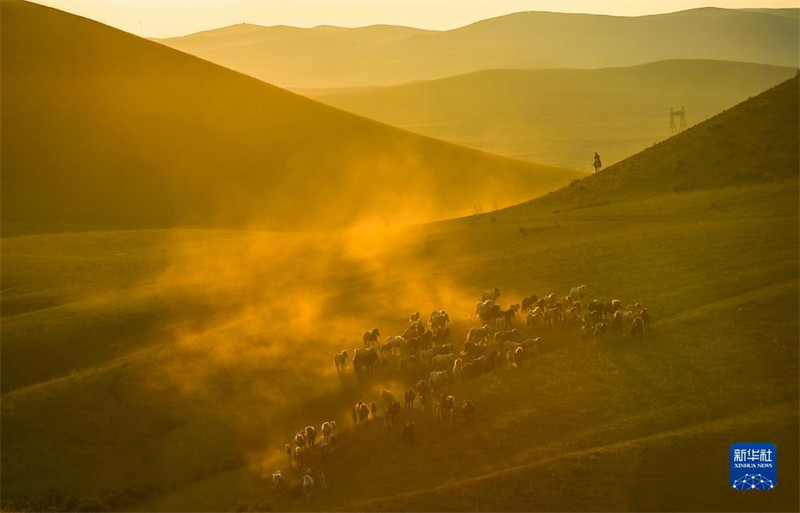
x=677 y=120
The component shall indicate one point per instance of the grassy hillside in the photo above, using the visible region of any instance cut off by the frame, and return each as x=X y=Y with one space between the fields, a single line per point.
x=561 y=117
x=202 y=409
x=624 y=476
x=755 y=141
x=318 y=57
x=164 y=370
x=105 y=129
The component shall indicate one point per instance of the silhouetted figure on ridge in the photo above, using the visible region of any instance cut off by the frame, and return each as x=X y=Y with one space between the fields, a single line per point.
x=597 y=164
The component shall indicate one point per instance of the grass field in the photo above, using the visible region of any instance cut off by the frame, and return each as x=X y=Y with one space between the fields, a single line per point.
x=200 y=398
x=163 y=370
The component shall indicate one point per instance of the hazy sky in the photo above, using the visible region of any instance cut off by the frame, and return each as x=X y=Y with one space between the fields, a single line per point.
x=165 y=18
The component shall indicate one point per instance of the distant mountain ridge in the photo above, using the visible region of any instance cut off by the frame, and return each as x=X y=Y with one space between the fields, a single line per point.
x=320 y=57
x=559 y=116
x=789 y=12
x=380 y=31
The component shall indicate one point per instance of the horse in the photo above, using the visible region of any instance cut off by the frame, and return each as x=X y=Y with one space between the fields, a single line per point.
x=278 y=482
x=339 y=359
x=409 y=397
x=409 y=433
x=371 y=337
x=468 y=410
x=308 y=486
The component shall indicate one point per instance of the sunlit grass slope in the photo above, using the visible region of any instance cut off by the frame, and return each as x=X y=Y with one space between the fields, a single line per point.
x=202 y=408
x=105 y=129
x=642 y=226
x=184 y=360
x=561 y=117
x=296 y=57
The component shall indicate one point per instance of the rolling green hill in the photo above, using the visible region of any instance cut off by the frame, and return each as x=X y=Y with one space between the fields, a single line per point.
x=663 y=230
x=561 y=117
x=164 y=370
x=102 y=129
x=318 y=57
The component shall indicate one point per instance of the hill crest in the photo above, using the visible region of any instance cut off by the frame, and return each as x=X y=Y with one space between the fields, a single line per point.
x=561 y=116
x=161 y=138
x=755 y=141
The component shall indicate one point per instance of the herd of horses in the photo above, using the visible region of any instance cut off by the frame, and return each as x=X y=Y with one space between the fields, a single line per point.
x=425 y=349
x=427 y=345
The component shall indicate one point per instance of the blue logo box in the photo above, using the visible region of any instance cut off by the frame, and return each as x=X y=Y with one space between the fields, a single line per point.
x=754 y=466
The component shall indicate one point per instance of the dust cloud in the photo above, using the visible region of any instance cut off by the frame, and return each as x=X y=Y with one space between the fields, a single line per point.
x=281 y=305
